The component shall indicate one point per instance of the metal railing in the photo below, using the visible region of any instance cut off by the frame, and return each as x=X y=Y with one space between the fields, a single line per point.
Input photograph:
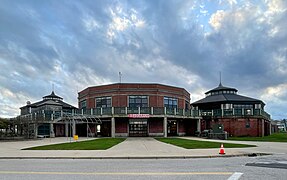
x=46 y=115
x=234 y=112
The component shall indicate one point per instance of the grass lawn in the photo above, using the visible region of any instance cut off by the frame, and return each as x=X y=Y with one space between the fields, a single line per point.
x=193 y=144
x=276 y=137
x=97 y=144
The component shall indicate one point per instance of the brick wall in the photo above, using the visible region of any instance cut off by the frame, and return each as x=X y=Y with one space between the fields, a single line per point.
x=91 y=102
x=121 y=125
x=241 y=126
x=181 y=127
x=155 y=125
x=119 y=101
x=120 y=92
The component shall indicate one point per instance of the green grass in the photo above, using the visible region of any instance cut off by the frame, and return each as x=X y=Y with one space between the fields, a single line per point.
x=97 y=144
x=276 y=137
x=193 y=144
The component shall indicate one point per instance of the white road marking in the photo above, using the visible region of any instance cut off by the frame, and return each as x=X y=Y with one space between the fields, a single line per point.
x=119 y=173
x=235 y=176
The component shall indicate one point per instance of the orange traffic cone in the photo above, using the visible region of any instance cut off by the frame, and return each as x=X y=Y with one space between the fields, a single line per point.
x=221 y=151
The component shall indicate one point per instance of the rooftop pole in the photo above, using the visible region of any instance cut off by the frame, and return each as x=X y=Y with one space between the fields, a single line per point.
x=220 y=78
x=120 y=77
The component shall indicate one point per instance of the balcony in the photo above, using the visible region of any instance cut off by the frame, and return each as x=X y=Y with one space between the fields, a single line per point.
x=151 y=111
x=125 y=111
x=234 y=112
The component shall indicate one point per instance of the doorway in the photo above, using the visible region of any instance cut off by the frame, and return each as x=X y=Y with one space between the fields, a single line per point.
x=172 y=128
x=138 y=128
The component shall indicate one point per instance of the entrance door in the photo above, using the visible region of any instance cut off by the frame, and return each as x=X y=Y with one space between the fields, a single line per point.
x=172 y=128
x=138 y=128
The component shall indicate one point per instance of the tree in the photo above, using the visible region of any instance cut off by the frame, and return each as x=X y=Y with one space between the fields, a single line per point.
x=4 y=123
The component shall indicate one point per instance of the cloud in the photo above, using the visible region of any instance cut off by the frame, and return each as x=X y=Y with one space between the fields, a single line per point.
x=75 y=44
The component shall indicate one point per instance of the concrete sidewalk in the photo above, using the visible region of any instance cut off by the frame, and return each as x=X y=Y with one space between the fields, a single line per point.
x=133 y=148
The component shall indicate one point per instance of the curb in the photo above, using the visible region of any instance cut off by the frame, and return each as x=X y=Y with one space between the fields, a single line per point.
x=146 y=157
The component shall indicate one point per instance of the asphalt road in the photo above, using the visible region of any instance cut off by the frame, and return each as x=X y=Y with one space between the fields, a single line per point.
x=206 y=168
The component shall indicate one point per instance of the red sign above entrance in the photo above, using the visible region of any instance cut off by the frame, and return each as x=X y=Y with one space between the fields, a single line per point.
x=138 y=115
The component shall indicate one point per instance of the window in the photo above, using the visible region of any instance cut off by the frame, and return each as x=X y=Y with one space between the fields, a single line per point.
x=83 y=104
x=247 y=125
x=187 y=105
x=257 y=106
x=138 y=101
x=103 y=102
x=243 y=106
x=227 y=106
x=170 y=102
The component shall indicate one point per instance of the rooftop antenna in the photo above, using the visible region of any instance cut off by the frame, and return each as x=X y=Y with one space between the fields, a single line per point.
x=53 y=87
x=120 y=77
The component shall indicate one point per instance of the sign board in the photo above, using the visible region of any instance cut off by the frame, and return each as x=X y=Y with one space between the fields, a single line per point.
x=138 y=115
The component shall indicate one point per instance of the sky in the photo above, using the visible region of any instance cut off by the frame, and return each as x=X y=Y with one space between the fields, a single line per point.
x=72 y=45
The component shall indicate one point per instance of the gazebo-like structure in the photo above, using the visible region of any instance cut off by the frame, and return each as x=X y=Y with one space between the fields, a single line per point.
x=240 y=115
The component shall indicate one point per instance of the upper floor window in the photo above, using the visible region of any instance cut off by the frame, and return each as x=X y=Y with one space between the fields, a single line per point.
x=227 y=106
x=258 y=106
x=102 y=102
x=221 y=92
x=187 y=105
x=138 y=101
x=170 y=102
x=83 y=104
x=243 y=106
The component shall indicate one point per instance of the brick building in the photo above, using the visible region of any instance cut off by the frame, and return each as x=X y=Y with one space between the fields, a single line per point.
x=136 y=109
x=127 y=109
x=240 y=115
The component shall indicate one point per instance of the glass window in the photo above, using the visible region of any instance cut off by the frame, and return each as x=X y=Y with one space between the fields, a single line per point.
x=243 y=106
x=132 y=100
x=138 y=101
x=186 y=105
x=170 y=102
x=257 y=106
x=103 y=102
x=83 y=104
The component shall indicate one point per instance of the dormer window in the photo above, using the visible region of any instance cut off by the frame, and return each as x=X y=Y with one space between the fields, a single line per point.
x=221 y=90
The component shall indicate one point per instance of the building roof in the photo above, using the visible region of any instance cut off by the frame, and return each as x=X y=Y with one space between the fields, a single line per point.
x=51 y=99
x=52 y=96
x=225 y=97
x=221 y=88
x=123 y=85
x=132 y=87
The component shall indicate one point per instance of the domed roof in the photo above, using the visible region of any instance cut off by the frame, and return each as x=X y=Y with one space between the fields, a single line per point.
x=222 y=94
x=53 y=96
x=221 y=88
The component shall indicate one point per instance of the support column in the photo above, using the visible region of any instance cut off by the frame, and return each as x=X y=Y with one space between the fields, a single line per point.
x=35 y=131
x=199 y=125
x=262 y=128
x=113 y=128
x=165 y=127
x=67 y=129
x=270 y=128
x=74 y=127
x=52 y=133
